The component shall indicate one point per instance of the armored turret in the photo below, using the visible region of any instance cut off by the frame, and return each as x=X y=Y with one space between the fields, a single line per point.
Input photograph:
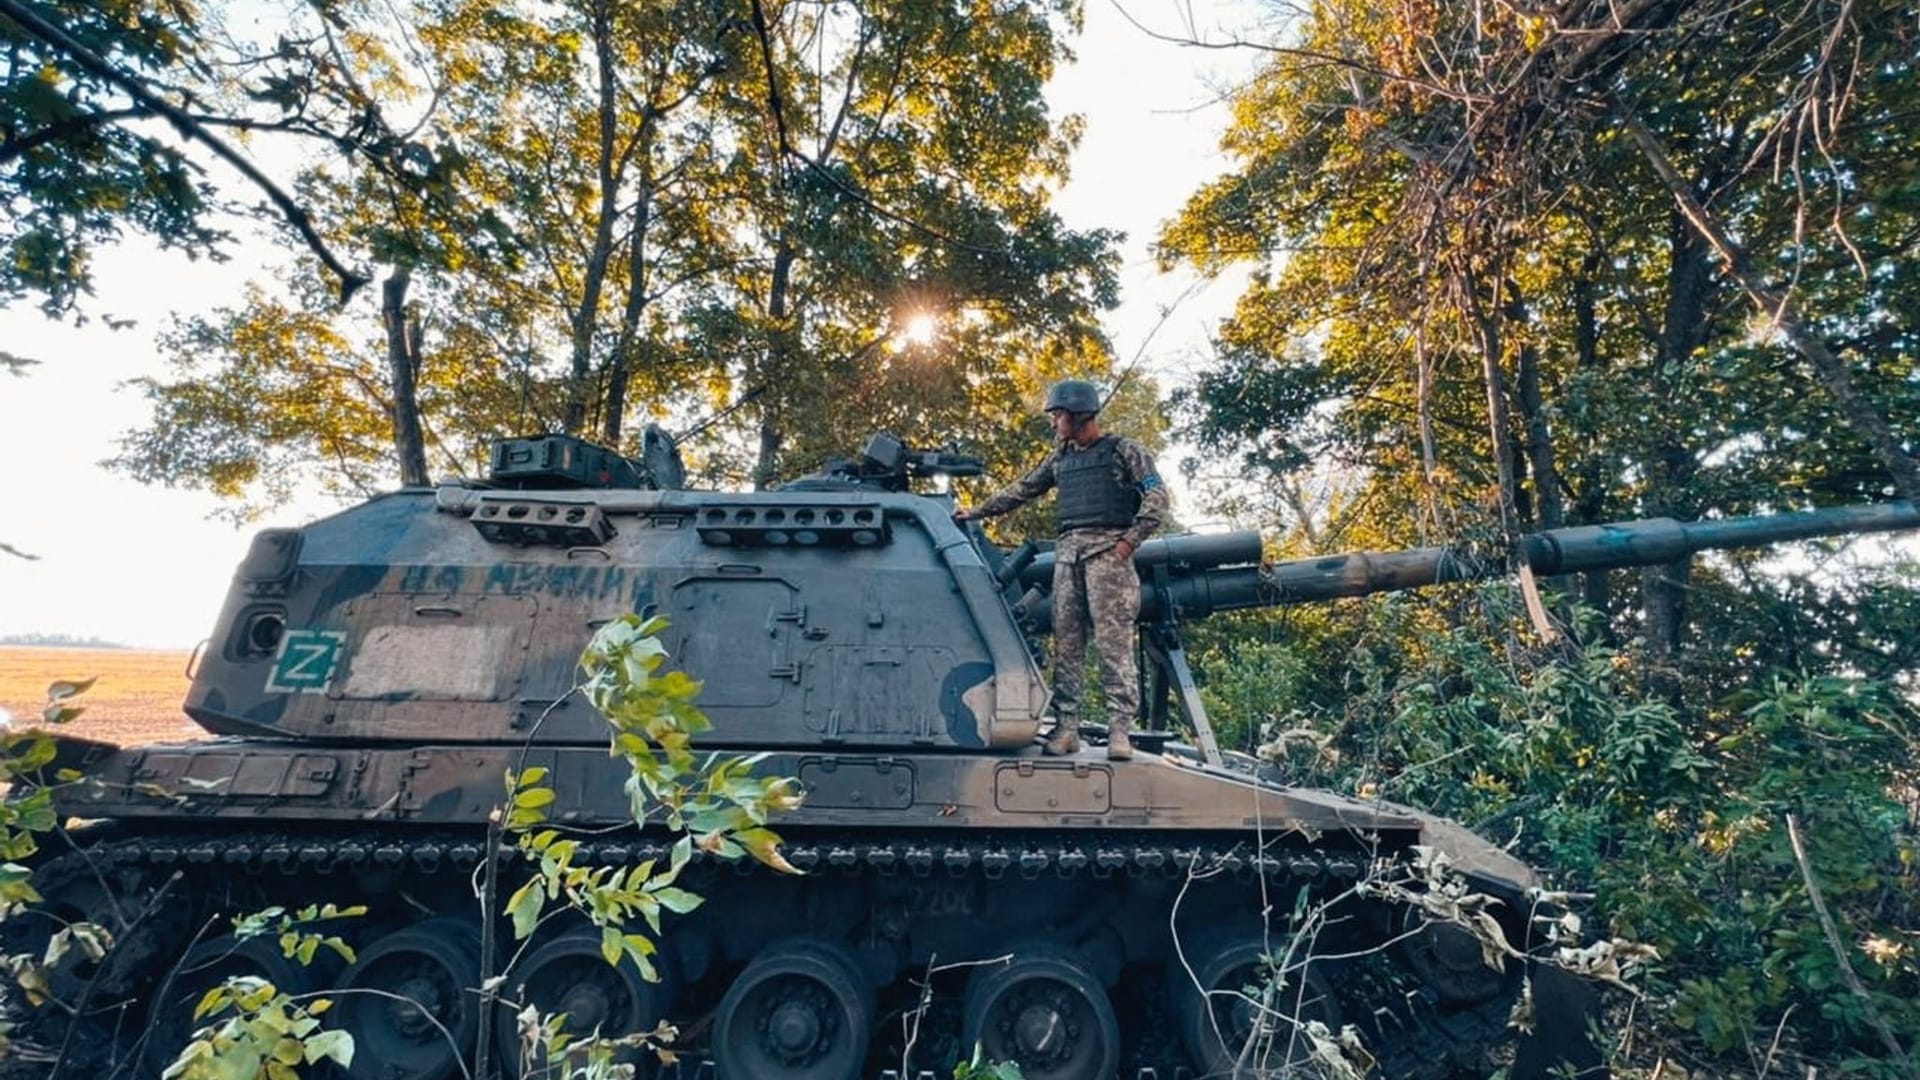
x=374 y=674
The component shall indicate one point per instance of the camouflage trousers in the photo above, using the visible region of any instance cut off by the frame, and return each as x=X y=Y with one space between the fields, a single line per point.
x=1097 y=592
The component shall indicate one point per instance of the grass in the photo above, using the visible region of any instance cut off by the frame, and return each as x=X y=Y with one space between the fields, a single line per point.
x=137 y=699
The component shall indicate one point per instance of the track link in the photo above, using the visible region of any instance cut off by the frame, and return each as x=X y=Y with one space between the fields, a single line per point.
x=1411 y=1038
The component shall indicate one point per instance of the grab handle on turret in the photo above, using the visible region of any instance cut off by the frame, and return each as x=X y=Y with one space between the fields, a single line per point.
x=1010 y=570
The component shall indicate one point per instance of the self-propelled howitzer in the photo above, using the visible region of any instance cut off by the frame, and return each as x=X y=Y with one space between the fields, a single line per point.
x=373 y=676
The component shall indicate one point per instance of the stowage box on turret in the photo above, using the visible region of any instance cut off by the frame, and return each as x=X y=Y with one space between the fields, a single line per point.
x=375 y=674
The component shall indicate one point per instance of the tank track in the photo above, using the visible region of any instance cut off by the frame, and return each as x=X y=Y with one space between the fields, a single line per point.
x=1413 y=1038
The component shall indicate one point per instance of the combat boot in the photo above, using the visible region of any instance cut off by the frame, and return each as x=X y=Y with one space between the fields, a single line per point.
x=1066 y=737
x=1119 y=746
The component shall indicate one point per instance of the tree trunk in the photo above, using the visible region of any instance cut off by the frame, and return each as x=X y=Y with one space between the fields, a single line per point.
x=1428 y=522
x=1486 y=325
x=767 y=466
x=1590 y=494
x=1671 y=465
x=620 y=364
x=403 y=370
x=1533 y=413
x=1486 y=314
x=586 y=317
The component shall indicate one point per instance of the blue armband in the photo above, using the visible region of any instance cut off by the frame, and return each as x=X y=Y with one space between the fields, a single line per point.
x=1149 y=482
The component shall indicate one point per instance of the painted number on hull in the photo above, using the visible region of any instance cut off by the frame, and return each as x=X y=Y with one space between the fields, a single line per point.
x=306 y=661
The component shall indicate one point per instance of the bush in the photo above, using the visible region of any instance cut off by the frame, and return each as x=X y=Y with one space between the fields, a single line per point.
x=1673 y=813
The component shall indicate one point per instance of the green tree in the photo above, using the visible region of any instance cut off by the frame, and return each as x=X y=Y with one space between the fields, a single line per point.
x=74 y=169
x=904 y=170
x=1507 y=276
x=1478 y=290
x=100 y=105
x=667 y=211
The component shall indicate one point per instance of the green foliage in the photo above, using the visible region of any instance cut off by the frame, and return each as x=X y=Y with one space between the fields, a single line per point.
x=73 y=172
x=1388 y=285
x=1435 y=231
x=1672 y=813
x=298 y=944
x=979 y=1068
x=1258 y=687
x=255 y=1031
x=297 y=387
x=265 y=1035
x=98 y=101
x=715 y=805
x=721 y=807
x=605 y=222
x=1840 y=755
x=25 y=755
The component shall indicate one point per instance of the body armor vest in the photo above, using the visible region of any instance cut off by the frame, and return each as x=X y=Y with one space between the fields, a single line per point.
x=1094 y=489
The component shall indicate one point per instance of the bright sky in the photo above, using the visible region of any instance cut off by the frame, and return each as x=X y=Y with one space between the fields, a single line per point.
x=146 y=566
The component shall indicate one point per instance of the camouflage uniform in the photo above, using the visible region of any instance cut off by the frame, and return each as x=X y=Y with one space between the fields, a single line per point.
x=1092 y=587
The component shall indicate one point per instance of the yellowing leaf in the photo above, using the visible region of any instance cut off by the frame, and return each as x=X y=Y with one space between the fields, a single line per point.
x=764 y=845
x=533 y=798
x=335 y=1046
x=211 y=1000
x=524 y=908
x=66 y=688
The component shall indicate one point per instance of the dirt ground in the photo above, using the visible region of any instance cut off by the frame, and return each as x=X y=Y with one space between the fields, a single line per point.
x=136 y=700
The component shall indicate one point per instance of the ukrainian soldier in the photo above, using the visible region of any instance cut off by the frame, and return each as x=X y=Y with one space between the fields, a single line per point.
x=1111 y=499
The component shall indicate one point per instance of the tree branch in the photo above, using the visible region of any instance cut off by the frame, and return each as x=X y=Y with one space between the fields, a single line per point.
x=1839 y=948
x=100 y=67
x=774 y=102
x=13 y=148
x=1830 y=369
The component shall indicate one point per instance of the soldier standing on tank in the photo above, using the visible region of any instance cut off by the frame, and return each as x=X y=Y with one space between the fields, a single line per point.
x=1111 y=499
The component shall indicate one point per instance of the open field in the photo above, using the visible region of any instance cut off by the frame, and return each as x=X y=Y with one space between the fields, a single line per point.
x=137 y=699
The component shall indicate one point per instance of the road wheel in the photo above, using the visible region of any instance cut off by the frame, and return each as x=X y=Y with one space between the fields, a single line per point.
x=802 y=1010
x=1046 y=1012
x=410 y=1002
x=1238 y=1020
x=570 y=974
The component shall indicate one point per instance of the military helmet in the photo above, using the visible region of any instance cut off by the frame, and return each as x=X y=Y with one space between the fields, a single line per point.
x=1073 y=395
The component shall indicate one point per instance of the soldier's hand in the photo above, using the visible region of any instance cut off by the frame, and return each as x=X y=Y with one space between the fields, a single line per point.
x=1124 y=549
x=962 y=515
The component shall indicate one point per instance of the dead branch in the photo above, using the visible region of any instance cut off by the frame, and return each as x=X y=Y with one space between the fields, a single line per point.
x=1832 y=932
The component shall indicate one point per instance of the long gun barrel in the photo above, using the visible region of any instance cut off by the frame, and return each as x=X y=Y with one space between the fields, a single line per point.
x=1187 y=577
x=1203 y=574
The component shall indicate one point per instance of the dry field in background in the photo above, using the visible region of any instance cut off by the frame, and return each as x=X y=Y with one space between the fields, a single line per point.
x=137 y=699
